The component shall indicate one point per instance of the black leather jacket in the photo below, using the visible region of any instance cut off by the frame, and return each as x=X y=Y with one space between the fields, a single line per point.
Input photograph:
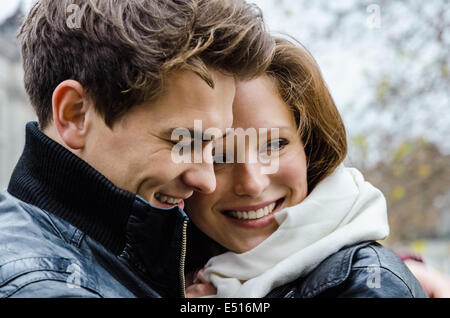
x=67 y=231
x=43 y=256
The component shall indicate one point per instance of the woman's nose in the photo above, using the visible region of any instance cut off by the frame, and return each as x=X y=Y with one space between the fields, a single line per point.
x=249 y=180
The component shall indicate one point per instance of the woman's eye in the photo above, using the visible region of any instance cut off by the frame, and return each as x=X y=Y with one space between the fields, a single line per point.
x=274 y=145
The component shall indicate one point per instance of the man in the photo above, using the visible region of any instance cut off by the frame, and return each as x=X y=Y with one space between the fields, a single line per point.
x=94 y=205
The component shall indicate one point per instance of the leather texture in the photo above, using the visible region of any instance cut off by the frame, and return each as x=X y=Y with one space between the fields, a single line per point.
x=364 y=270
x=42 y=255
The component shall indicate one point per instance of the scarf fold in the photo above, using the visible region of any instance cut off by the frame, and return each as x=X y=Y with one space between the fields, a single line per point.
x=342 y=210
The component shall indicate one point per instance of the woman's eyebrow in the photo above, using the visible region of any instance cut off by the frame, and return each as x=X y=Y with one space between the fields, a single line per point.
x=276 y=127
x=194 y=133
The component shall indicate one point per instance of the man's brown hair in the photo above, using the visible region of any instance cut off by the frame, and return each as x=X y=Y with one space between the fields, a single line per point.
x=122 y=51
x=302 y=87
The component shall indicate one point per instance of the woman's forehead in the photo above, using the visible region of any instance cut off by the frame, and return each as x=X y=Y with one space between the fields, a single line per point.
x=257 y=104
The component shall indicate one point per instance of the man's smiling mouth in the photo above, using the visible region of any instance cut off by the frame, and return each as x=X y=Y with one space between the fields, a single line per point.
x=166 y=201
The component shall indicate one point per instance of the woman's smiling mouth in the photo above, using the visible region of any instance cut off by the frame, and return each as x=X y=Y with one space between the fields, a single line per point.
x=254 y=216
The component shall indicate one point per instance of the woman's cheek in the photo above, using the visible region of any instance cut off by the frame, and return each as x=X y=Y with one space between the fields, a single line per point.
x=196 y=208
x=292 y=174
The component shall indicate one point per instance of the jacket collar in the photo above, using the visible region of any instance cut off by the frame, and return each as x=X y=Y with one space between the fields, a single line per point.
x=52 y=178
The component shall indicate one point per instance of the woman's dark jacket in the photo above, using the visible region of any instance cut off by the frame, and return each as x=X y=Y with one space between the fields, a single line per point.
x=366 y=270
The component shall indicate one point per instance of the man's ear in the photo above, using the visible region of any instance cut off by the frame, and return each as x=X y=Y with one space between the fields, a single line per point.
x=70 y=109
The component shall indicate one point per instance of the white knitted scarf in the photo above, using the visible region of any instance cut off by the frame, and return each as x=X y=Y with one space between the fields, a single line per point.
x=343 y=209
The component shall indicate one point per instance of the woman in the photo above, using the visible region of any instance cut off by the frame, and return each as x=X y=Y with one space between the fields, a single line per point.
x=306 y=230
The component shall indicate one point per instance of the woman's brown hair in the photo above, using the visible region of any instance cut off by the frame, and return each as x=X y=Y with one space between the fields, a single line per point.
x=302 y=87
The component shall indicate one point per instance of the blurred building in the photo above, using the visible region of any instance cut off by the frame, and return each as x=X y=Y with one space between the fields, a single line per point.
x=15 y=110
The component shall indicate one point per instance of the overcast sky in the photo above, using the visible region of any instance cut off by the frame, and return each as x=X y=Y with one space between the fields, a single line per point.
x=8 y=6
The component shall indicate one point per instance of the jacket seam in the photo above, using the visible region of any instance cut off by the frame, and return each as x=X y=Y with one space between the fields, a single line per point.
x=76 y=231
x=27 y=207
x=37 y=280
x=55 y=227
x=335 y=281
x=379 y=261
x=376 y=253
x=16 y=274
x=77 y=237
x=345 y=263
x=387 y=269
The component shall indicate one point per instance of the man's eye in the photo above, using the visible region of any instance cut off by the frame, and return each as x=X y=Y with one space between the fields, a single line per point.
x=188 y=143
x=183 y=142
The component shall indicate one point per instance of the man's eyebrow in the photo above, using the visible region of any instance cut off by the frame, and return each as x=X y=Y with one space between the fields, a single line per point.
x=205 y=137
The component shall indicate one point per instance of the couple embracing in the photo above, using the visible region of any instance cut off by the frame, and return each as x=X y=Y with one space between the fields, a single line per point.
x=97 y=207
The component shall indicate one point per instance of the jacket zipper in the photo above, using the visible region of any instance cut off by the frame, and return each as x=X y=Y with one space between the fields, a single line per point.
x=183 y=259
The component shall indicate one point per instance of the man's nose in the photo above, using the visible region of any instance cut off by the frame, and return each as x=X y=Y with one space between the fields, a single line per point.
x=200 y=177
x=249 y=180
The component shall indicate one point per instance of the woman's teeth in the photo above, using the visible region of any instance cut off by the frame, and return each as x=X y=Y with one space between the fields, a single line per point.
x=253 y=215
x=165 y=199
